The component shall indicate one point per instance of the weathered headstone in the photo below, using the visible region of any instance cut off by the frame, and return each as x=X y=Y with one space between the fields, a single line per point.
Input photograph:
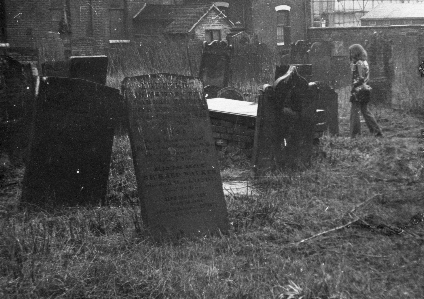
x=320 y=58
x=285 y=124
x=71 y=145
x=176 y=166
x=215 y=66
x=325 y=96
x=381 y=63
x=55 y=69
x=91 y=68
x=266 y=138
x=328 y=101
x=17 y=90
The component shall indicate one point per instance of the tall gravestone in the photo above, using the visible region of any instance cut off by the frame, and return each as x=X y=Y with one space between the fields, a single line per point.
x=176 y=166
x=328 y=101
x=320 y=58
x=285 y=124
x=215 y=67
x=71 y=144
x=265 y=142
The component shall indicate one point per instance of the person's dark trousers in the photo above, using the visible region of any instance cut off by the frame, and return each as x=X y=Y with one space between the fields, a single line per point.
x=355 y=122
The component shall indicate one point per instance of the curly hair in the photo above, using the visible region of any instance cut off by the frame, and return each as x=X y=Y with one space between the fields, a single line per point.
x=357 y=52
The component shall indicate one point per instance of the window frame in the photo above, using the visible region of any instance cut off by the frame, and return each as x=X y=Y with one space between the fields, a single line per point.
x=283 y=32
x=209 y=33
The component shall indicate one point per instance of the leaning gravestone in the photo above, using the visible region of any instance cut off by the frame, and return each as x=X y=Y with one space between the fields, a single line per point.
x=266 y=140
x=71 y=145
x=175 y=162
x=285 y=124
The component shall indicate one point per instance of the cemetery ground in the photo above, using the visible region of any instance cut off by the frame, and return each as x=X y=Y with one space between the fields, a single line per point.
x=333 y=230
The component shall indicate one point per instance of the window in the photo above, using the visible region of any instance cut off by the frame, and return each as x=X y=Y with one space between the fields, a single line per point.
x=117 y=19
x=283 y=25
x=211 y=35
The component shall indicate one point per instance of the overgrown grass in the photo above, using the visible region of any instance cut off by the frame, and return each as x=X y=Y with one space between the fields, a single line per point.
x=106 y=252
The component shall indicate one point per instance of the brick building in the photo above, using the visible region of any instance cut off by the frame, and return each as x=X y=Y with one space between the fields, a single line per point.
x=205 y=22
x=90 y=27
x=387 y=14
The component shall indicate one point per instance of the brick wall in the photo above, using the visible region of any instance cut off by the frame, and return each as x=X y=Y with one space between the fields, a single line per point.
x=233 y=130
x=27 y=21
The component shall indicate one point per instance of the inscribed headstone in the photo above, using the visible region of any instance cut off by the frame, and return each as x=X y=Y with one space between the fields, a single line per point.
x=70 y=149
x=91 y=68
x=175 y=161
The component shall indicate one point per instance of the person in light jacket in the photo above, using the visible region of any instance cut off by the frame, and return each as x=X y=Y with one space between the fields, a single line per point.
x=360 y=76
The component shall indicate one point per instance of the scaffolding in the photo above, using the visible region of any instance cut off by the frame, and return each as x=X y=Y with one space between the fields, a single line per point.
x=344 y=13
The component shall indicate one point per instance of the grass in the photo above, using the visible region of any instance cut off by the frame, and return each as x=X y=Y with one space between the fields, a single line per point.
x=107 y=253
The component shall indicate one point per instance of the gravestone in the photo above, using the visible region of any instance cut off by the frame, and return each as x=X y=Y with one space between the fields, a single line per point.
x=380 y=59
x=325 y=96
x=55 y=69
x=328 y=101
x=215 y=66
x=266 y=134
x=285 y=124
x=176 y=166
x=320 y=58
x=71 y=144
x=91 y=68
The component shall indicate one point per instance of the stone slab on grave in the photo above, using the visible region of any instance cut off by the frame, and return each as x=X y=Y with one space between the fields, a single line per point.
x=71 y=144
x=91 y=68
x=175 y=161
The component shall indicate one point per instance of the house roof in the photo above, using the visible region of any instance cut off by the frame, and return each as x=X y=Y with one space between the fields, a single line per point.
x=154 y=12
x=182 y=18
x=396 y=11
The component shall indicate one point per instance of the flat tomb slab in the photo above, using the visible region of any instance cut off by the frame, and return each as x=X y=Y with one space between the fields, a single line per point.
x=232 y=106
x=175 y=162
